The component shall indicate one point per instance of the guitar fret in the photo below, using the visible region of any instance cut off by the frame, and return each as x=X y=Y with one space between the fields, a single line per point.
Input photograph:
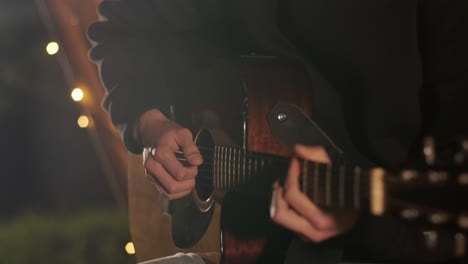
x=255 y=165
x=262 y=165
x=250 y=165
x=225 y=183
x=305 y=173
x=328 y=186
x=226 y=168
x=220 y=173
x=239 y=167
x=237 y=173
x=229 y=168
x=316 y=182
x=218 y=169
x=243 y=166
x=236 y=168
x=233 y=168
x=341 y=186
x=215 y=159
x=234 y=160
x=357 y=182
x=216 y=175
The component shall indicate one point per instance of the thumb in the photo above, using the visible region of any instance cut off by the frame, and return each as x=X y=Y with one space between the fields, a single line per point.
x=312 y=153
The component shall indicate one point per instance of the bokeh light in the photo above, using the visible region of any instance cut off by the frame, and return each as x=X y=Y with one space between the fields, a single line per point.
x=52 y=48
x=130 y=248
x=77 y=94
x=83 y=121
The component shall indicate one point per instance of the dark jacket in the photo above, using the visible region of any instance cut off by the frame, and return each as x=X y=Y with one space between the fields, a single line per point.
x=398 y=67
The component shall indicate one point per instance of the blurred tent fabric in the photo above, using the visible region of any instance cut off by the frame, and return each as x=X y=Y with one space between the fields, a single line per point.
x=67 y=21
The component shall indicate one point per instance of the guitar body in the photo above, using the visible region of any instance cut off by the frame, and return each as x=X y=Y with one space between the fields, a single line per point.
x=150 y=227
x=234 y=106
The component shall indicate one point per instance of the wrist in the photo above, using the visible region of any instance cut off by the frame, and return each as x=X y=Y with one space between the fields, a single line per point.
x=146 y=125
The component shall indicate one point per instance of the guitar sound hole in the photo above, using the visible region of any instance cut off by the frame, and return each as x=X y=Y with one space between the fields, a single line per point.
x=204 y=180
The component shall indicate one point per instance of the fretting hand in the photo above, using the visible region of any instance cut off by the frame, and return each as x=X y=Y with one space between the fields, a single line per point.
x=161 y=138
x=295 y=211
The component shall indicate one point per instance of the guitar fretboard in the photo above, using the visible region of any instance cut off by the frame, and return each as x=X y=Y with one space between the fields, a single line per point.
x=338 y=186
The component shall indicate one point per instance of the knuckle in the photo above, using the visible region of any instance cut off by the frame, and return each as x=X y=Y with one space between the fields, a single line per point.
x=179 y=175
x=278 y=217
x=318 y=148
x=321 y=224
x=185 y=132
x=318 y=238
x=192 y=173
x=289 y=196
x=150 y=172
x=311 y=235
x=172 y=196
x=147 y=163
x=176 y=195
x=313 y=239
x=192 y=184
x=161 y=190
x=159 y=152
x=172 y=189
x=274 y=218
x=162 y=154
x=326 y=223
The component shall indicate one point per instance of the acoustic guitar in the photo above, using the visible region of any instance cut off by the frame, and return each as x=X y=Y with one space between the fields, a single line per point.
x=245 y=132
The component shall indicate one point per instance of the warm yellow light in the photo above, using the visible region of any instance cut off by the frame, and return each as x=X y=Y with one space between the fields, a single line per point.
x=130 y=248
x=83 y=121
x=77 y=94
x=52 y=48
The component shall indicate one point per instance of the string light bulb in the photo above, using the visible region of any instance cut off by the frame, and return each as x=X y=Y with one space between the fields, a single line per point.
x=83 y=121
x=52 y=48
x=77 y=94
x=130 y=248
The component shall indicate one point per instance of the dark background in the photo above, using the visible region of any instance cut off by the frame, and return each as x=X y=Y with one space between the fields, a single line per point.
x=58 y=202
x=47 y=162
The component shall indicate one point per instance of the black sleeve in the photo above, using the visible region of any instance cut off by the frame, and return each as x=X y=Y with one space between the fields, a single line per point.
x=443 y=41
x=443 y=28
x=140 y=45
x=388 y=239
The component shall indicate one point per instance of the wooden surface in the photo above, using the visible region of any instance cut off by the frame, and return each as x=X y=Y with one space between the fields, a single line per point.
x=150 y=228
x=270 y=81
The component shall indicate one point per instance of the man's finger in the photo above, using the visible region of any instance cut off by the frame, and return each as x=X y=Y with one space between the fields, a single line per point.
x=289 y=218
x=184 y=139
x=192 y=154
x=169 y=161
x=309 y=210
x=162 y=191
x=312 y=153
x=166 y=181
x=301 y=203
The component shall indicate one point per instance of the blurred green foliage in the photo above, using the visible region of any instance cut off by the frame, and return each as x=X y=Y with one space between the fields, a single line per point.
x=91 y=237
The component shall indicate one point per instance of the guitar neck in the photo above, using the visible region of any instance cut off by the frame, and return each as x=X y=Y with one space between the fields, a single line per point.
x=336 y=186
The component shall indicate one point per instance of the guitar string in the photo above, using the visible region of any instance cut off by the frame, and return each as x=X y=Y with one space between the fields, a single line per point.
x=208 y=178
x=273 y=165
x=363 y=184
